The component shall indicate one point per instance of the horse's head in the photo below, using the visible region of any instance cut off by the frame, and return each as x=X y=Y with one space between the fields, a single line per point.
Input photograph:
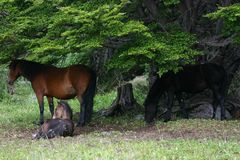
x=13 y=74
x=62 y=111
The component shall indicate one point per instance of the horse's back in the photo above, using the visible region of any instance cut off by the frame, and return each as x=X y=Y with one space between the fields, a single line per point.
x=195 y=78
x=65 y=83
x=214 y=73
x=80 y=77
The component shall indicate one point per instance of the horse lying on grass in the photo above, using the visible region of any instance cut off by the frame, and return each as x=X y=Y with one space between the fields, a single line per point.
x=191 y=79
x=60 y=125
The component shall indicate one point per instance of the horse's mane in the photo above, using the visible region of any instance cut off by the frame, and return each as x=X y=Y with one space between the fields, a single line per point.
x=29 y=68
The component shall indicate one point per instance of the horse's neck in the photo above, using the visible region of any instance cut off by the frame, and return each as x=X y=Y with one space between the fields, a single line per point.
x=31 y=71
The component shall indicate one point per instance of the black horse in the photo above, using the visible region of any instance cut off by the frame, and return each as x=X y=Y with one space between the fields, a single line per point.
x=191 y=79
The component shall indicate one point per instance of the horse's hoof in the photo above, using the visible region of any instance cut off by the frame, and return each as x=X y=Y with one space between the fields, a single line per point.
x=37 y=123
x=150 y=123
x=185 y=117
x=223 y=118
x=166 y=119
x=80 y=124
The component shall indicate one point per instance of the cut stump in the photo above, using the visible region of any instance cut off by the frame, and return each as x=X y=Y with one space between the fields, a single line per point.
x=124 y=102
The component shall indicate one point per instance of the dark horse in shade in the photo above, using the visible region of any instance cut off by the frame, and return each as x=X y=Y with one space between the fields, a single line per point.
x=63 y=83
x=191 y=79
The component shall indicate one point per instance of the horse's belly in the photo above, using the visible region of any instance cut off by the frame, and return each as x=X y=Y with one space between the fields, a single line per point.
x=63 y=93
x=194 y=88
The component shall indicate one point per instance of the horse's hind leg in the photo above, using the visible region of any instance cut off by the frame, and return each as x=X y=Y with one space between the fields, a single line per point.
x=215 y=104
x=51 y=105
x=41 y=108
x=170 y=97
x=82 y=115
x=89 y=109
x=86 y=110
x=218 y=100
x=88 y=97
x=184 y=113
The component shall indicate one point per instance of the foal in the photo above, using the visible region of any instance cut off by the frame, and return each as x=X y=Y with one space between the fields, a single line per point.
x=63 y=111
x=60 y=125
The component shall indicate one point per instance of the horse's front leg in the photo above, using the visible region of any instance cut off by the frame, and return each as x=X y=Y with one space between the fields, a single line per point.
x=150 y=105
x=51 y=105
x=181 y=102
x=170 y=98
x=41 y=108
x=218 y=99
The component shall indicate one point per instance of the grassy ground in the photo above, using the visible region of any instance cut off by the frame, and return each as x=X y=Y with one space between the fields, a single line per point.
x=125 y=137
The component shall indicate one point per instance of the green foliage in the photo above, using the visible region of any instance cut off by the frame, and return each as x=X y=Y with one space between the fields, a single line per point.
x=3 y=83
x=68 y=31
x=231 y=17
x=118 y=138
x=171 y=2
x=116 y=145
x=49 y=30
x=167 y=49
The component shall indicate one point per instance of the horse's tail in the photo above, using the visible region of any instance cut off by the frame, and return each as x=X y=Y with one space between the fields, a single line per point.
x=231 y=69
x=233 y=66
x=89 y=95
x=92 y=85
x=225 y=85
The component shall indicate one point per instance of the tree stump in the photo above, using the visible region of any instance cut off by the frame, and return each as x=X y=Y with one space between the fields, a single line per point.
x=124 y=102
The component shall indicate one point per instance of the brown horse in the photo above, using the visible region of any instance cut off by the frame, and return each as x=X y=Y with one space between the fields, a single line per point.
x=63 y=83
x=63 y=111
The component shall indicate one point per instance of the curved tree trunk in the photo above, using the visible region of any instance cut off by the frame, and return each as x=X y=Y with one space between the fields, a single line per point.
x=124 y=102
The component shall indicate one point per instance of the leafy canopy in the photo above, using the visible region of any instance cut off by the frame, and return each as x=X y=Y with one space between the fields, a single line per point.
x=231 y=17
x=50 y=30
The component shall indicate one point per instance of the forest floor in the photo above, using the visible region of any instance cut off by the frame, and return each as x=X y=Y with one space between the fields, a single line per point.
x=122 y=137
x=111 y=138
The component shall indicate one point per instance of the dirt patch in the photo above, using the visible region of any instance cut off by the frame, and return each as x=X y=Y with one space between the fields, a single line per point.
x=165 y=131
x=187 y=130
x=18 y=133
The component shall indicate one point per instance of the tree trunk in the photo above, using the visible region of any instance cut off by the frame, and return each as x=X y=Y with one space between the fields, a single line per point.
x=124 y=102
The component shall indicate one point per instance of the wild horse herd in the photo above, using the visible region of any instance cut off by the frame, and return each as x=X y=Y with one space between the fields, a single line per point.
x=80 y=81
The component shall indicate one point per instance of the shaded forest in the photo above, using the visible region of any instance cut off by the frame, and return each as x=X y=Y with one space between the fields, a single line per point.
x=124 y=39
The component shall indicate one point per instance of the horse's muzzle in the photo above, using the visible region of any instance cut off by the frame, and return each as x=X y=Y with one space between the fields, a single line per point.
x=10 y=87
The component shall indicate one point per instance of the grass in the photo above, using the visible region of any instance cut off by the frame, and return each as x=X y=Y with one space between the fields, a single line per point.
x=97 y=147
x=123 y=137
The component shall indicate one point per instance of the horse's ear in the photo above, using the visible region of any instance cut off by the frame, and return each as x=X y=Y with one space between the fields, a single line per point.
x=13 y=63
x=13 y=59
x=63 y=102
